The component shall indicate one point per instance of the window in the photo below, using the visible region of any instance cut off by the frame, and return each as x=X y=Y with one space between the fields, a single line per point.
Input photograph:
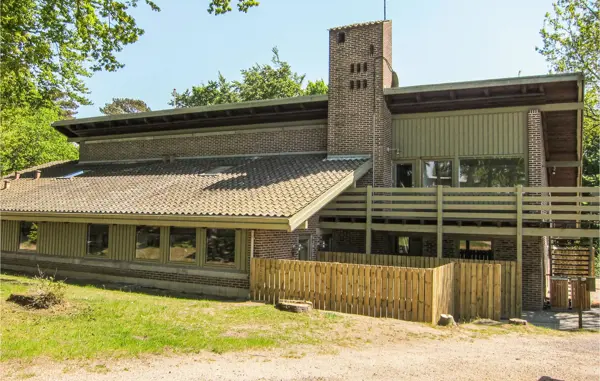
x=182 y=246
x=475 y=249
x=341 y=37
x=358 y=83
x=358 y=67
x=351 y=85
x=403 y=245
x=364 y=83
x=28 y=234
x=492 y=172
x=305 y=242
x=404 y=175
x=365 y=66
x=147 y=242
x=97 y=240
x=437 y=172
x=220 y=246
x=351 y=68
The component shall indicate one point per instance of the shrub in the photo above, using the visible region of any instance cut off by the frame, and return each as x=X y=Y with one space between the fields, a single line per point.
x=47 y=291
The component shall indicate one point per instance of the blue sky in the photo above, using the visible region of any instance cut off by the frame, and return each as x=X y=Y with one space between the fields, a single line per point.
x=434 y=41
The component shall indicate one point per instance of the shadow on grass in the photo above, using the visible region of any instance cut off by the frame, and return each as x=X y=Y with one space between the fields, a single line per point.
x=121 y=286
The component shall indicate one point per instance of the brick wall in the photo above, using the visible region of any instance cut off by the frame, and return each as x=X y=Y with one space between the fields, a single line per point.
x=359 y=121
x=278 y=244
x=534 y=249
x=244 y=142
x=51 y=266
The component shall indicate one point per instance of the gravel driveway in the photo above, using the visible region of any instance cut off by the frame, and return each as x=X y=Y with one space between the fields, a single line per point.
x=392 y=353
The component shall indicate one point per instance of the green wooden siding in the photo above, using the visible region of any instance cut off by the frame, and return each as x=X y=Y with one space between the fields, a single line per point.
x=454 y=134
x=62 y=238
x=9 y=235
x=121 y=242
x=70 y=239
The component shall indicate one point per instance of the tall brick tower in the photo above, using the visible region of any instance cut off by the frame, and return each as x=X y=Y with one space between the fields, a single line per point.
x=359 y=122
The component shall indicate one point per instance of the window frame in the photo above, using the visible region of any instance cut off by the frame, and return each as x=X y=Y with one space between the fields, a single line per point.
x=452 y=160
x=160 y=245
x=485 y=157
x=87 y=242
x=19 y=250
x=197 y=260
x=416 y=172
x=236 y=250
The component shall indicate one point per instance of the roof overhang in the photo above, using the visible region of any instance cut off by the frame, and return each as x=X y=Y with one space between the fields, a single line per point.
x=298 y=220
x=221 y=115
x=505 y=92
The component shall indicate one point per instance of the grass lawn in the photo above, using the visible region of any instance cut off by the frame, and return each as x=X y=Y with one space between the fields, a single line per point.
x=105 y=323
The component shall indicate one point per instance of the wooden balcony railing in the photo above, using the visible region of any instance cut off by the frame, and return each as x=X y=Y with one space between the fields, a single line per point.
x=566 y=212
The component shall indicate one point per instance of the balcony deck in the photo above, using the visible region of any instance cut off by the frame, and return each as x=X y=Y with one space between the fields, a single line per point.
x=561 y=212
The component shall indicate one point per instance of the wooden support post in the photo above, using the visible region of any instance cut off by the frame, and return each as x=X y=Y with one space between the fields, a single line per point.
x=519 y=205
x=440 y=221
x=591 y=269
x=581 y=290
x=368 y=221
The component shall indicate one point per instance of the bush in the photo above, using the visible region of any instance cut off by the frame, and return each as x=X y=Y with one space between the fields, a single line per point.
x=46 y=291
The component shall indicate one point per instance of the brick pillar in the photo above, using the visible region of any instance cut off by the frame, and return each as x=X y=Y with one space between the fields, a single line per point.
x=534 y=247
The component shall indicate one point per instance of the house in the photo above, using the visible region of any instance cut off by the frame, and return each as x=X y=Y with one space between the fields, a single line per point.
x=183 y=198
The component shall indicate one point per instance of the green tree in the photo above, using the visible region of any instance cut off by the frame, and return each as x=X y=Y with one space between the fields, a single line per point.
x=28 y=139
x=50 y=46
x=124 y=106
x=315 y=88
x=571 y=42
x=268 y=81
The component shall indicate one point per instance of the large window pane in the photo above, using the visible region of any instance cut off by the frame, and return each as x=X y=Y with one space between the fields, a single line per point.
x=437 y=172
x=182 y=244
x=28 y=233
x=97 y=240
x=492 y=172
x=404 y=175
x=147 y=242
x=220 y=246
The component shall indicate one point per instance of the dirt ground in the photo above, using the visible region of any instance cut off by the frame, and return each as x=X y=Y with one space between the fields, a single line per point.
x=386 y=350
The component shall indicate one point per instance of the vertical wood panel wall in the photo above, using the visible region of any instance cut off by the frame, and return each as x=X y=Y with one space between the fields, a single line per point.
x=460 y=134
x=9 y=235
x=121 y=242
x=62 y=238
x=70 y=239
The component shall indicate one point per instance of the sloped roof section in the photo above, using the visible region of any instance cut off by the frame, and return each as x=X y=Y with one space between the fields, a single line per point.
x=270 y=186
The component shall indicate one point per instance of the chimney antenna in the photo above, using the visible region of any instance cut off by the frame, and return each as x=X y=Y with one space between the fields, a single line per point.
x=384 y=10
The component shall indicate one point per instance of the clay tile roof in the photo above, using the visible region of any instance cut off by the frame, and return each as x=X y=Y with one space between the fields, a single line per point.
x=273 y=186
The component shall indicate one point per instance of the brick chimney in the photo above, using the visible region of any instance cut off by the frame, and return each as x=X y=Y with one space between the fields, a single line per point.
x=359 y=122
x=17 y=175
x=6 y=184
x=38 y=174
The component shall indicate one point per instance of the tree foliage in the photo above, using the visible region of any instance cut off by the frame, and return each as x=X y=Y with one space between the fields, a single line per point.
x=28 y=139
x=268 y=81
x=571 y=42
x=49 y=47
x=124 y=106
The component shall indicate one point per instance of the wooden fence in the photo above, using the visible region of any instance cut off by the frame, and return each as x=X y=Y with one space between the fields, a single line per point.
x=564 y=289
x=414 y=294
x=510 y=280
